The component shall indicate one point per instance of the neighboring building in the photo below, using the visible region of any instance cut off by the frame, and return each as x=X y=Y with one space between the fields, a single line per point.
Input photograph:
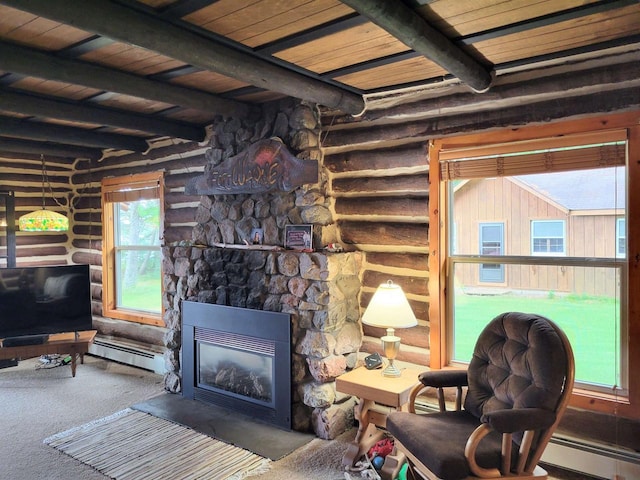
x=569 y=214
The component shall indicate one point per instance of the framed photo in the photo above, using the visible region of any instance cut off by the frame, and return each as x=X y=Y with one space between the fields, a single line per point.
x=257 y=236
x=298 y=237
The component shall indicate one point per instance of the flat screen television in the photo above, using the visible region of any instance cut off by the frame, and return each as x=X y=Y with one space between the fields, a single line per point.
x=44 y=300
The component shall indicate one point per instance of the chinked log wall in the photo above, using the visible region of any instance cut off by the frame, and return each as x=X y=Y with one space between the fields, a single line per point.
x=381 y=202
x=23 y=175
x=76 y=185
x=179 y=162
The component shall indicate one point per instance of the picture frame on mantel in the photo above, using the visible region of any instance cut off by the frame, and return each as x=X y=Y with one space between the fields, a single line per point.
x=257 y=236
x=298 y=237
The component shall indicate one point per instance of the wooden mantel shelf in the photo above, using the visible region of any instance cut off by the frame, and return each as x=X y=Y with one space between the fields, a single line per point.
x=73 y=343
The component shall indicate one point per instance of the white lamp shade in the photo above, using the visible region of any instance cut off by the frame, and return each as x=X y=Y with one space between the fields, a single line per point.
x=389 y=308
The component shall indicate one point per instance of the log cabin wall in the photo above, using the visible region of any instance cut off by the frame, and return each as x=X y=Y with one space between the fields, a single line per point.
x=179 y=161
x=381 y=198
x=22 y=173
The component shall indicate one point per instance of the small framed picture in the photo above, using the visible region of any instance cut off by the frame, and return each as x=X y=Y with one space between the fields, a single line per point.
x=257 y=236
x=298 y=237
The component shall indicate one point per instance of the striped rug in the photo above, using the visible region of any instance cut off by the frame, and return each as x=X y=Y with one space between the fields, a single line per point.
x=133 y=445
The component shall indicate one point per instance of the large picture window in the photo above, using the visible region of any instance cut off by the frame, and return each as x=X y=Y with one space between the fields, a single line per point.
x=563 y=202
x=132 y=209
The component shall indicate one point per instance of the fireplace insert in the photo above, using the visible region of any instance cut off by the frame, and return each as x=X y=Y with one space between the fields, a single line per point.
x=239 y=359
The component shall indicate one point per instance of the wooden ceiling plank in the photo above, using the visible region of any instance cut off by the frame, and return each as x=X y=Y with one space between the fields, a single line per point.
x=411 y=29
x=372 y=64
x=131 y=59
x=45 y=107
x=47 y=132
x=348 y=47
x=130 y=26
x=136 y=104
x=265 y=22
x=209 y=82
x=395 y=75
x=312 y=34
x=54 y=149
x=563 y=36
x=546 y=20
x=43 y=65
x=53 y=88
x=465 y=17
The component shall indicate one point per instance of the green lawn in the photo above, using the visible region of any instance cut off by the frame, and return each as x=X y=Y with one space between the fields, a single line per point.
x=590 y=323
x=145 y=295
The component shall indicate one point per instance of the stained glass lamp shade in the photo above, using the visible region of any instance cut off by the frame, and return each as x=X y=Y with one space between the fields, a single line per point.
x=43 y=220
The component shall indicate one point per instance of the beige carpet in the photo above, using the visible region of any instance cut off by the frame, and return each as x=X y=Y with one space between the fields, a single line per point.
x=133 y=445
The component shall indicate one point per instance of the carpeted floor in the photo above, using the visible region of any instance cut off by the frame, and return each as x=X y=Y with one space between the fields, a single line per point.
x=38 y=403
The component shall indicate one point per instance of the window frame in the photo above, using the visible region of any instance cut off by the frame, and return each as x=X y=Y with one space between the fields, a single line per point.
x=629 y=405
x=111 y=188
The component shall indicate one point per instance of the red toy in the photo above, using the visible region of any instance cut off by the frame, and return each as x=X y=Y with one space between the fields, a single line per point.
x=382 y=448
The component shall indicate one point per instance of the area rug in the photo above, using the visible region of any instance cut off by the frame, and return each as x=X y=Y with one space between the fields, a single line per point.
x=133 y=445
x=229 y=426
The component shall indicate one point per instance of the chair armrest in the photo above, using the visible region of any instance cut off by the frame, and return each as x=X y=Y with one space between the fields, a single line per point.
x=444 y=378
x=519 y=419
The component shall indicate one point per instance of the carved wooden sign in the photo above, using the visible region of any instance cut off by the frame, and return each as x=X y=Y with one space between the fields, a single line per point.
x=265 y=166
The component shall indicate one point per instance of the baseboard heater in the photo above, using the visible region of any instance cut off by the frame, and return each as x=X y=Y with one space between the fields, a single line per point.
x=594 y=459
x=130 y=355
x=597 y=460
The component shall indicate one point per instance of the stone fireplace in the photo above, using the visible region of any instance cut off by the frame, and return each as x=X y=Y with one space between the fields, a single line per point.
x=318 y=290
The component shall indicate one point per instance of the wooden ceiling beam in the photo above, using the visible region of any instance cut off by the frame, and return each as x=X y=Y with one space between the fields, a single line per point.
x=39 y=106
x=48 y=132
x=27 y=61
x=412 y=30
x=153 y=33
x=14 y=145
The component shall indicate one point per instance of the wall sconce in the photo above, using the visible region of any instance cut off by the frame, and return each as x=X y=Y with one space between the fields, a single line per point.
x=390 y=309
x=43 y=220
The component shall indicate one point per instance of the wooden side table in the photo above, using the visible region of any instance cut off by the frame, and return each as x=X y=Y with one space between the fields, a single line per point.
x=378 y=395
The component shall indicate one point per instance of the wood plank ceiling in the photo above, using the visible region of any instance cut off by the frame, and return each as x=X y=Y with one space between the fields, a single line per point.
x=77 y=78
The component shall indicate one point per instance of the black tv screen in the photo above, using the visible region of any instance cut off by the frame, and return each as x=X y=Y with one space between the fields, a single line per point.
x=44 y=300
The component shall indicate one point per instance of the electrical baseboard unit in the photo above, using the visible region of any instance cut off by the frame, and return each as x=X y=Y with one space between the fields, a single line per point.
x=597 y=460
x=128 y=354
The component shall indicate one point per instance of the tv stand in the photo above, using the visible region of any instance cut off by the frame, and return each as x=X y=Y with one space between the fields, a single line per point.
x=74 y=343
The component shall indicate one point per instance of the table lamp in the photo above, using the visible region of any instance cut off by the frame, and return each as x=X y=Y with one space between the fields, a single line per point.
x=390 y=309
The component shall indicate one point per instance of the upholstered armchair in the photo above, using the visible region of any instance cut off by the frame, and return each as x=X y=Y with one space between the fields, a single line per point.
x=507 y=405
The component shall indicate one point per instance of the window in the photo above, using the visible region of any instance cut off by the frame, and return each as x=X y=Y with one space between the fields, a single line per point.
x=560 y=192
x=547 y=237
x=621 y=238
x=491 y=243
x=132 y=226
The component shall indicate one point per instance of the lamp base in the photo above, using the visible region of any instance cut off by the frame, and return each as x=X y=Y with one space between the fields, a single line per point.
x=391 y=370
x=391 y=346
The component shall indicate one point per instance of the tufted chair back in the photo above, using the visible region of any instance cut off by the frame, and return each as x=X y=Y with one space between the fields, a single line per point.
x=518 y=362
